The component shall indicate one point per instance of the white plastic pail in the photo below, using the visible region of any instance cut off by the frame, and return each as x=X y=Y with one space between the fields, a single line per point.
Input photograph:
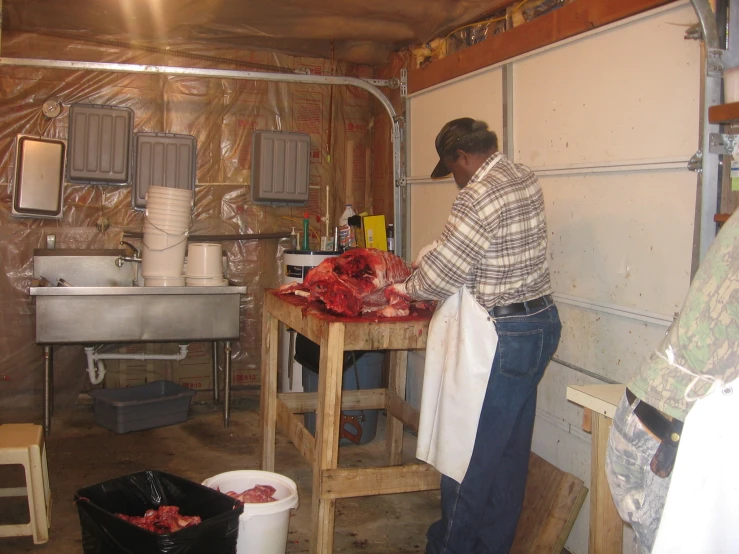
x=205 y=260
x=162 y=255
x=262 y=527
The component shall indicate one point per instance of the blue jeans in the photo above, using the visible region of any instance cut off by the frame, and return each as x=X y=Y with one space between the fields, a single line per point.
x=480 y=515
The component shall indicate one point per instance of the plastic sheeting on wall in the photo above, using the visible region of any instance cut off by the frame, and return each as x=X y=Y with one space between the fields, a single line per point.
x=222 y=115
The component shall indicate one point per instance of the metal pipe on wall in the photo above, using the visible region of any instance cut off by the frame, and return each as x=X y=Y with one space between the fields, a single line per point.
x=709 y=180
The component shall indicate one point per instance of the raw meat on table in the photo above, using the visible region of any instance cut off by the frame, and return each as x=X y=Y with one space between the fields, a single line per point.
x=357 y=282
x=166 y=519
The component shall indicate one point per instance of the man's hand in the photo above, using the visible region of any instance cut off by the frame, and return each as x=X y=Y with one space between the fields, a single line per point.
x=425 y=250
x=398 y=289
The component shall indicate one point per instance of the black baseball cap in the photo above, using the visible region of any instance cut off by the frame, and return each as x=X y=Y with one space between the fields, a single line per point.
x=446 y=142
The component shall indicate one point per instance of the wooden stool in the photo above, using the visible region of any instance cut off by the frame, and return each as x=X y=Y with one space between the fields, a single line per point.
x=23 y=444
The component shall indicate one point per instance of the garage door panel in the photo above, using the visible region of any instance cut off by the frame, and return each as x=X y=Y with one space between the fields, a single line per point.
x=479 y=97
x=630 y=93
x=608 y=345
x=431 y=204
x=622 y=238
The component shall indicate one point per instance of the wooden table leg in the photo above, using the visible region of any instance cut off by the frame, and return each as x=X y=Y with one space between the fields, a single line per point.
x=606 y=526
x=396 y=384
x=328 y=415
x=268 y=398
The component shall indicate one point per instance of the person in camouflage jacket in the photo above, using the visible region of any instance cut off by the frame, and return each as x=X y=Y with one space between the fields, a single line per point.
x=700 y=347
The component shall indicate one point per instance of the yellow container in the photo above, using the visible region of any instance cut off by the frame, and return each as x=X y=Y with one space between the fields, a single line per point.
x=374 y=231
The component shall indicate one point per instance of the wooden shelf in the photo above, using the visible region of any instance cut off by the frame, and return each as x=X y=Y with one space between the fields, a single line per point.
x=724 y=113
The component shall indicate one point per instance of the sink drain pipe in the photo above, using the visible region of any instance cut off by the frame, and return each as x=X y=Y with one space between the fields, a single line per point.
x=96 y=365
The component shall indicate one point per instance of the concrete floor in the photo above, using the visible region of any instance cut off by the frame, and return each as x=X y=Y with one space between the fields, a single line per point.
x=80 y=453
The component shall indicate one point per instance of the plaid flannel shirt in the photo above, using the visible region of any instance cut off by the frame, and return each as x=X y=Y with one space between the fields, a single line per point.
x=495 y=240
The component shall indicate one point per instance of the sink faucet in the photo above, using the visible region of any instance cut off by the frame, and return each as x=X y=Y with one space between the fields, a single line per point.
x=123 y=259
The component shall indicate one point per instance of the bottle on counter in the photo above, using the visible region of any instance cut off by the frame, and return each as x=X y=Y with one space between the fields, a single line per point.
x=346 y=232
x=391 y=238
x=293 y=239
x=306 y=236
x=337 y=247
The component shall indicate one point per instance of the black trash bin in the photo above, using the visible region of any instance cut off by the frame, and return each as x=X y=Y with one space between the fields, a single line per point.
x=105 y=533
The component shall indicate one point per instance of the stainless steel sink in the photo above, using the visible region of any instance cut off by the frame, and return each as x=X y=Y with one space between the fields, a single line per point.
x=102 y=306
x=85 y=268
x=91 y=315
x=121 y=313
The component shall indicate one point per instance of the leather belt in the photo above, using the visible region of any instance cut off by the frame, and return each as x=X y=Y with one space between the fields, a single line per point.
x=667 y=430
x=655 y=421
x=522 y=308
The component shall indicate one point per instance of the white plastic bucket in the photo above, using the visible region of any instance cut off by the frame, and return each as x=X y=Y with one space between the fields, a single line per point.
x=262 y=527
x=169 y=226
x=183 y=213
x=204 y=259
x=169 y=206
x=163 y=255
x=169 y=211
x=168 y=192
x=161 y=227
x=156 y=199
x=179 y=206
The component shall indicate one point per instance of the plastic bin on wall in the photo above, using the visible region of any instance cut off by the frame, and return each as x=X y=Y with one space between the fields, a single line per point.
x=356 y=426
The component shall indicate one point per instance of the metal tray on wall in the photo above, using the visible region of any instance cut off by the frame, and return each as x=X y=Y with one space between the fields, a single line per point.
x=38 y=190
x=162 y=160
x=99 y=144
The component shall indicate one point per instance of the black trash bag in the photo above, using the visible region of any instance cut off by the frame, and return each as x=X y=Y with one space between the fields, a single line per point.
x=105 y=533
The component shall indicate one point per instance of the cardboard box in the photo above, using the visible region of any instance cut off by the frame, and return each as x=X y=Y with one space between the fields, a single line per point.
x=375 y=235
x=196 y=371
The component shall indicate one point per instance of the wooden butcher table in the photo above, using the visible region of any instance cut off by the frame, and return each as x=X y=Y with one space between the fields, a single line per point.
x=335 y=335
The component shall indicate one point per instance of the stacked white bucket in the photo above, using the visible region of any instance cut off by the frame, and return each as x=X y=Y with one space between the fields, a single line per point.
x=167 y=223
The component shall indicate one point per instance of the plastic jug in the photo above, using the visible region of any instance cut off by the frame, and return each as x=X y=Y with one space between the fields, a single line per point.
x=346 y=232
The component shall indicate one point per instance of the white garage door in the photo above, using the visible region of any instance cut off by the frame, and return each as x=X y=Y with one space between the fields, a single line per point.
x=608 y=122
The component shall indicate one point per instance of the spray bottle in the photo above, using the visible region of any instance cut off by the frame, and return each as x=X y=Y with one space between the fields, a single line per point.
x=346 y=232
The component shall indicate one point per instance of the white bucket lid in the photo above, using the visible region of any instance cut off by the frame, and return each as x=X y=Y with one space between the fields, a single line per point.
x=286 y=491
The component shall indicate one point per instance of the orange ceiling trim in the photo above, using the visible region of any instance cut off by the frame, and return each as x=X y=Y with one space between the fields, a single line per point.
x=568 y=21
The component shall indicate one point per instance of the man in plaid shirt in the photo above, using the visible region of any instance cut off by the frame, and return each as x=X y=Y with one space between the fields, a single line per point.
x=495 y=244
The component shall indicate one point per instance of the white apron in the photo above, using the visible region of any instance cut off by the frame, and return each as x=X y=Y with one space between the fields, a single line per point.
x=701 y=513
x=459 y=356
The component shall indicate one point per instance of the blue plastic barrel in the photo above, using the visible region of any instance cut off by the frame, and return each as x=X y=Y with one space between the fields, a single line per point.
x=356 y=426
